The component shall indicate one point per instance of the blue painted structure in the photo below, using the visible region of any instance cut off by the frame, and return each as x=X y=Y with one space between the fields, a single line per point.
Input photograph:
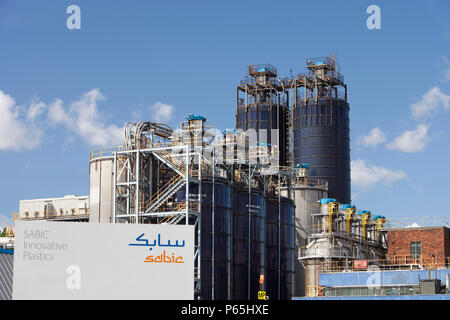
x=403 y=297
x=327 y=200
x=361 y=278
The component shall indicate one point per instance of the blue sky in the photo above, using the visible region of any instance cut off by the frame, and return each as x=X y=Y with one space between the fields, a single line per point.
x=64 y=92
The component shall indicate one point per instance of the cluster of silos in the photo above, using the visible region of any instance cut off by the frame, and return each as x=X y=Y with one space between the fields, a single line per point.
x=314 y=130
x=244 y=234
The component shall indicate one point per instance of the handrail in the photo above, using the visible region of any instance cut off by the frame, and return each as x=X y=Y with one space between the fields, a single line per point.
x=180 y=165
x=105 y=151
x=314 y=291
x=156 y=196
x=181 y=206
x=397 y=262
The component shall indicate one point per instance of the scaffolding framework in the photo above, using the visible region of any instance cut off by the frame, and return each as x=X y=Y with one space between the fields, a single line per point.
x=146 y=179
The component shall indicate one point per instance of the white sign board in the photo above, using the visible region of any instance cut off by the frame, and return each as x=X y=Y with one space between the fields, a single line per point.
x=74 y=260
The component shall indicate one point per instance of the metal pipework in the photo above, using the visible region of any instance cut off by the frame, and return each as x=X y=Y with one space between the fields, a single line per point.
x=333 y=208
x=349 y=216
x=365 y=221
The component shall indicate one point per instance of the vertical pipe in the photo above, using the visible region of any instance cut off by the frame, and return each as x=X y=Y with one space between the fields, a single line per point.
x=186 y=150
x=138 y=158
x=128 y=165
x=278 y=128
x=100 y=194
x=212 y=229
x=115 y=187
x=249 y=230
x=150 y=187
x=199 y=215
x=279 y=239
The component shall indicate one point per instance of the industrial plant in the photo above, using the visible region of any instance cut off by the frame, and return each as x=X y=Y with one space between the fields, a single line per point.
x=270 y=199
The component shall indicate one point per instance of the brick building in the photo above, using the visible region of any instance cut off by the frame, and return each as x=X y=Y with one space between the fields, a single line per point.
x=430 y=244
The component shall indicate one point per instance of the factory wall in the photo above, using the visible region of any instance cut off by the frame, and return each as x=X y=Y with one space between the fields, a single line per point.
x=434 y=241
x=53 y=207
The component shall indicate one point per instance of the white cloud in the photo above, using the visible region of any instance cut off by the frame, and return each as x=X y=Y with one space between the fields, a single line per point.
x=447 y=75
x=446 y=70
x=23 y=127
x=411 y=140
x=430 y=104
x=162 y=112
x=16 y=131
x=374 y=138
x=365 y=175
x=57 y=114
x=84 y=120
x=35 y=109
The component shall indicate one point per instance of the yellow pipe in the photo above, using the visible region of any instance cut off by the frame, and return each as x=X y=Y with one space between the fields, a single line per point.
x=332 y=209
x=349 y=217
x=380 y=223
x=365 y=220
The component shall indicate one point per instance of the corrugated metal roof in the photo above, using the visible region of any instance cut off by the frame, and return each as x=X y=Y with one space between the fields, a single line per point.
x=6 y=276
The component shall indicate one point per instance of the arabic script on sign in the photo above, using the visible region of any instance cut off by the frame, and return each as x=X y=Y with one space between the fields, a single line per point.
x=146 y=243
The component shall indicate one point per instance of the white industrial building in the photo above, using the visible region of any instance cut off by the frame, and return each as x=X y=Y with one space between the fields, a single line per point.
x=69 y=207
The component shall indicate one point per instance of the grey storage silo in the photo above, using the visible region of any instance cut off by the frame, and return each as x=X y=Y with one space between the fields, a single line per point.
x=308 y=191
x=101 y=189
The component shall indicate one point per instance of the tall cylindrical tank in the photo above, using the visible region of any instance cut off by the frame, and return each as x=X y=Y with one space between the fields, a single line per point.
x=307 y=194
x=280 y=248
x=264 y=118
x=312 y=271
x=101 y=189
x=322 y=139
x=248 y=236
x=215 y=248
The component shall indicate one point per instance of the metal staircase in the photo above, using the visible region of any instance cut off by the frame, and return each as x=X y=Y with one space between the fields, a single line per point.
x=181 y=206
x=176 y=218
x=170 y=188
x=175 y=164
x=160 y=197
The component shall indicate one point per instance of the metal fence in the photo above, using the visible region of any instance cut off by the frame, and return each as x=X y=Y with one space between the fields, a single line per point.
x=6 y=274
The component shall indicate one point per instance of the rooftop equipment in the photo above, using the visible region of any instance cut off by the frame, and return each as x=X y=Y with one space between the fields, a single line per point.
x=262 y=106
